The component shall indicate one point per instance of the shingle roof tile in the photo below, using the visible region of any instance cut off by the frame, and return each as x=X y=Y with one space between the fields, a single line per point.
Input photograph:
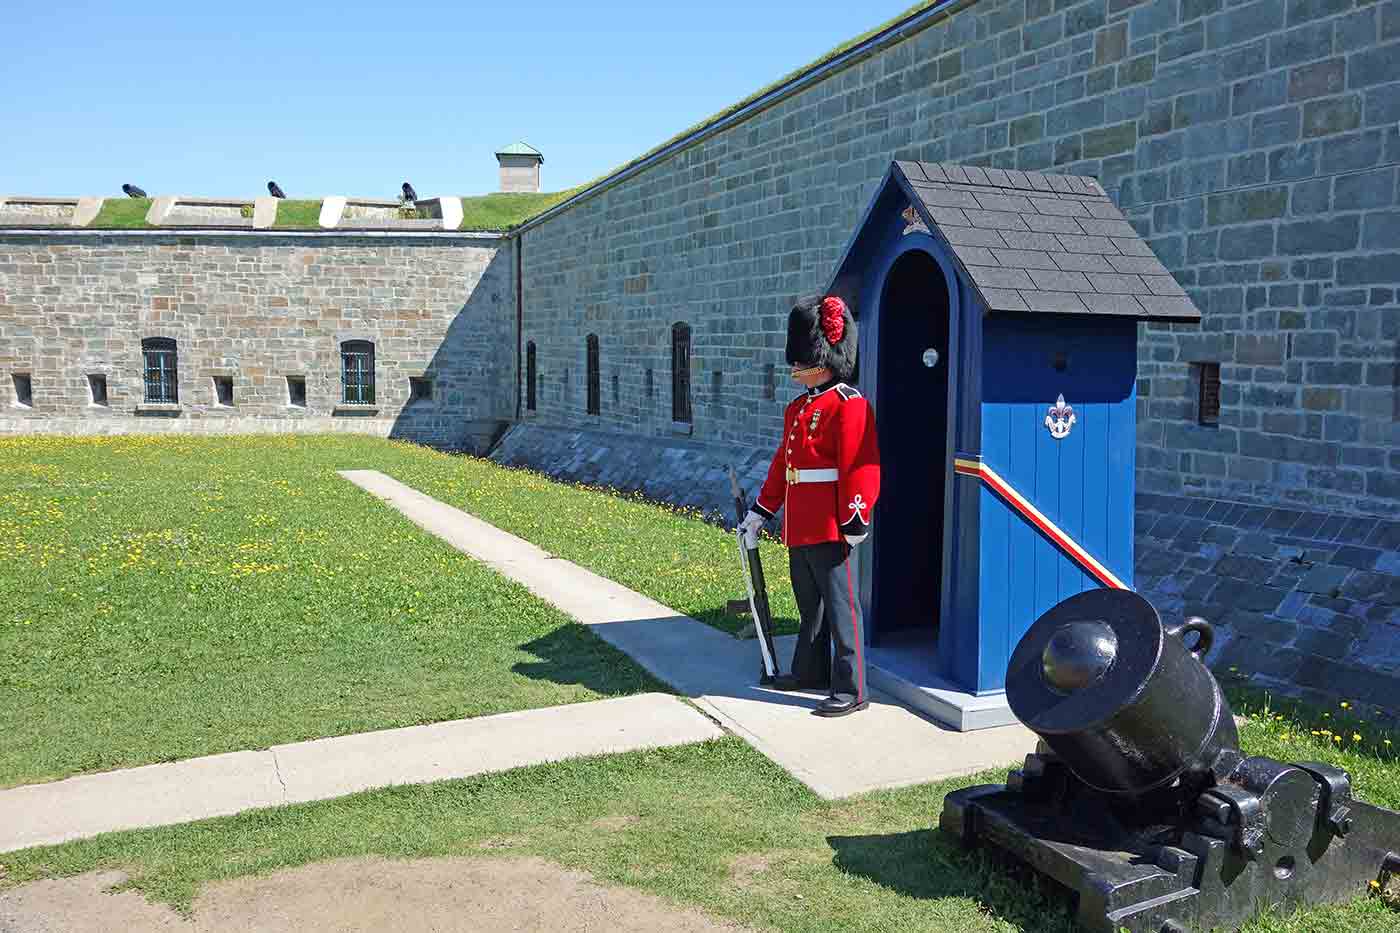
x=1045 y=223
x=972 y=236
x=1064 y=206
x=1142 y=265
x=1004 y=299
x=1087 y=244
x=1024 y=258
x=1020 y=239
x=1038 y=242
x=1057 y=281
x=1001 y=278
x=997 y=220
x=1082 y=262
x=1116 y=283
x=1057 y=302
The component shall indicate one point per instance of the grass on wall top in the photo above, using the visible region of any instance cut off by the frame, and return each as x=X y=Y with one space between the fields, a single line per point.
x=744 y=102
x=501 y=211
x=291 y=213
x=123 y=213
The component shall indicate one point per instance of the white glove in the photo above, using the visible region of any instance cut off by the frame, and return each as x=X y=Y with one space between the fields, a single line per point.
x=750 y=527
x=853 y=540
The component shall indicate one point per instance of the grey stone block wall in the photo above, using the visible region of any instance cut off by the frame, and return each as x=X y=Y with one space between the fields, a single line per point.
x=1308 y=602
x=256 y=310
x=689 y=474
x=1255 y=145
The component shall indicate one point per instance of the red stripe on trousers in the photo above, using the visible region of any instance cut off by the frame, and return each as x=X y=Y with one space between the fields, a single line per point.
x=855 y=623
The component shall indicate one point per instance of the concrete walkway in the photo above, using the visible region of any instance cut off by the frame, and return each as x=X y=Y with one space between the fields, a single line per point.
x=218 y=785
x=885 y=746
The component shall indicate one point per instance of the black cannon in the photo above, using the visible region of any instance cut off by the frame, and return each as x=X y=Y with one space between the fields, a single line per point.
x=1138 y=799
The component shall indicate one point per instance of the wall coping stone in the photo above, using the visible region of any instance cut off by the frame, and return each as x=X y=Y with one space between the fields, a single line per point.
x=348 y=233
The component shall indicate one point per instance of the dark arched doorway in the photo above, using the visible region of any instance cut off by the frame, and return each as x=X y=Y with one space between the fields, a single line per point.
x=912 y=421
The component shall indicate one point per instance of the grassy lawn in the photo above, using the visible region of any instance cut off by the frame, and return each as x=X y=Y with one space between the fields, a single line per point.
x=671 y=555
x=715 y=826
x=291 y=213
x=123 y=213
x=502 y=211
x=167 y=598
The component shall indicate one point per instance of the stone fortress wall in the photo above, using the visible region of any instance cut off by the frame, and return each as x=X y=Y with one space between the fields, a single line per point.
x=1254 y=144
x=258 y=310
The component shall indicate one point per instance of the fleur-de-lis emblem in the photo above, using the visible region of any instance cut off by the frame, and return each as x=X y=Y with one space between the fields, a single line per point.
x=1059 y=419
x=858 y=506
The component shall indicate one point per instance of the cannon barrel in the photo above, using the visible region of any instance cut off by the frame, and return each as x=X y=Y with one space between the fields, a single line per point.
x=1119 y=696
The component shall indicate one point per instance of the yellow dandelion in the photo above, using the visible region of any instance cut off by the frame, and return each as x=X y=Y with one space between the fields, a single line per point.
x=1355 y=737
x=1337 y=739
x=1345 y=705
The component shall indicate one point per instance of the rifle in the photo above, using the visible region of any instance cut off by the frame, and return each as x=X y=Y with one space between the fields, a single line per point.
x=757 y=587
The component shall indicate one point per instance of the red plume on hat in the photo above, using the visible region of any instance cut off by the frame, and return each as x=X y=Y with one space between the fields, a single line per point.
x=833 y=311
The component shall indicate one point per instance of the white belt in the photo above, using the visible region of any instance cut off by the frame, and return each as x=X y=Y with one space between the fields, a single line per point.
x=811 y=476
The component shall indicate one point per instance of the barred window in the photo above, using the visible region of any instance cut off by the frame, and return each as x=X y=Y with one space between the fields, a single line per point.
x=1208 y=397
x=594 y=389
x=162 y=377
x=357 y=372
x=531 y=376
x=680 y=372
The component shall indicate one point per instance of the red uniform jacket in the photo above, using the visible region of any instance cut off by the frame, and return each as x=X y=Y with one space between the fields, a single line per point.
x=826 y=474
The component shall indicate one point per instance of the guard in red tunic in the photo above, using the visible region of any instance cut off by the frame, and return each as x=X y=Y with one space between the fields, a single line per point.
x=825 y=478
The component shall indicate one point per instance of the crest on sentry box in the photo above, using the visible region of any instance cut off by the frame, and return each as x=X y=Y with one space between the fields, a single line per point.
x=1059 y=419
x=913 y=223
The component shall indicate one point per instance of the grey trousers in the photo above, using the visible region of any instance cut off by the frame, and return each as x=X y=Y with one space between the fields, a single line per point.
x=829 y=648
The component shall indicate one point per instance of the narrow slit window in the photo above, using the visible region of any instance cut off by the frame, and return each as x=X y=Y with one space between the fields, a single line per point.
x=594 y=388
x=296 y=391
x=97 y=389
x=680 y=372
x=531 y=376
x=24 y=390
x=357 y=372
x=162 y=376
x=770 y=383
x=223 y=391
x=1208 y=396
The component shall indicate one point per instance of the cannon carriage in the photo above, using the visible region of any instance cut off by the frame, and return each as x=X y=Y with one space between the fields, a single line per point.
x=1138 y=798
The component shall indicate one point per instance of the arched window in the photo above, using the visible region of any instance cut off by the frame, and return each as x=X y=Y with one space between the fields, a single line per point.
x=594 y=390
x=162 y=376
x=357 y=372
x=680 y=372
x=530 y=376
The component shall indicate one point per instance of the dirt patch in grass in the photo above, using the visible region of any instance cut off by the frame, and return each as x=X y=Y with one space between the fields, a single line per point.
x=448 y=894
x=615 y=823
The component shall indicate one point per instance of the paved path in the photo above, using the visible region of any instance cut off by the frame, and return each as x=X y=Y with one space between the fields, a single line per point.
x=884 y=746
x=217 y=785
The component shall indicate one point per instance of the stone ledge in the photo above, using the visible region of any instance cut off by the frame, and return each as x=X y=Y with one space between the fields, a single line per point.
x=355 y=410
x=159 y=408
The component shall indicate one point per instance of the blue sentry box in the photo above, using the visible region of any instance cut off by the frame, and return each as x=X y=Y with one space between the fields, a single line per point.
x=1007 y=464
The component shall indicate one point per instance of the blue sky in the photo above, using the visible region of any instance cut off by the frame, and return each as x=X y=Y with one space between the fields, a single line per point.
x=355 y=97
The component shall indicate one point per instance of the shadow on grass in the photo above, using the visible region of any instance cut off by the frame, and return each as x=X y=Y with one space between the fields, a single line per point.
x=926 y=864
x=694 y=660
x=571 y=654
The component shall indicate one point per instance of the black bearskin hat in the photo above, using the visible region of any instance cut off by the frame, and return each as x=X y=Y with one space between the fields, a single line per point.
x=822 y=332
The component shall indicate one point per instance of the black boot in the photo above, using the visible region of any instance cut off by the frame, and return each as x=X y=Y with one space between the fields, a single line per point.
x=842 y=704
